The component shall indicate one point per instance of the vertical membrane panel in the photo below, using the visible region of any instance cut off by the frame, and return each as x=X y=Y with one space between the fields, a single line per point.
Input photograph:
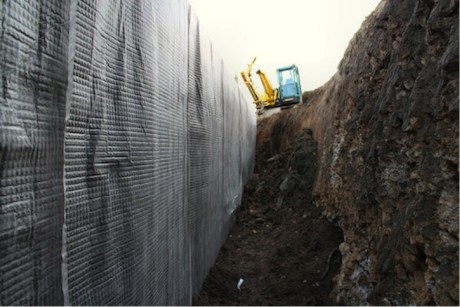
x=232 y=179
x=205 y=128
x=33 y=51
x=124 y=148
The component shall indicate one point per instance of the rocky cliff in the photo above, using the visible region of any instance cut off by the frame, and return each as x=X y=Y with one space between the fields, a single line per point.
x=390 y=160
x=387 y=125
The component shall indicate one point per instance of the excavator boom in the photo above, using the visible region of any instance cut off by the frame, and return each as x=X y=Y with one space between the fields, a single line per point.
x=266 y=83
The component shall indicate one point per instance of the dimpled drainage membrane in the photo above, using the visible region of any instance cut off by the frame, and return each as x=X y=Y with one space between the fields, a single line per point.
x=125 y=145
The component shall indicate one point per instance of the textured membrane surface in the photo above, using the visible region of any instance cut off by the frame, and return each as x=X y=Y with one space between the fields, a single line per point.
x=125 y=145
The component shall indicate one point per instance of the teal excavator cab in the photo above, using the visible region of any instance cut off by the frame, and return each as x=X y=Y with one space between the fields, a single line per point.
x=290 y=91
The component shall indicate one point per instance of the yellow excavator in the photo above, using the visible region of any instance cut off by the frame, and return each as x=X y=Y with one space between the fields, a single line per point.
x=288 y=92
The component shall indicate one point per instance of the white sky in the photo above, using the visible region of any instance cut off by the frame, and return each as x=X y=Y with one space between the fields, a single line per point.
x=313 y=34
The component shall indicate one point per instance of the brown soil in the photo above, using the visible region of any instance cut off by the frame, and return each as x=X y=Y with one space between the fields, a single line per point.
x=281 y=255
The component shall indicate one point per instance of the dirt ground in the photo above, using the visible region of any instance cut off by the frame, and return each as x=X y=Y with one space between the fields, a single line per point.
x=281 y=255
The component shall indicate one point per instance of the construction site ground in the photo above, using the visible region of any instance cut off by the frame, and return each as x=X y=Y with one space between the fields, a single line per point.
x=285 y=257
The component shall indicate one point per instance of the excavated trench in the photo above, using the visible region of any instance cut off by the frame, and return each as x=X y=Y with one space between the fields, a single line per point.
x=285 y=257
x=373 y=219
x=385 y=169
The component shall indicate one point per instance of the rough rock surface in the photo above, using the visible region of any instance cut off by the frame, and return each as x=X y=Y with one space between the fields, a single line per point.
x=387 y=126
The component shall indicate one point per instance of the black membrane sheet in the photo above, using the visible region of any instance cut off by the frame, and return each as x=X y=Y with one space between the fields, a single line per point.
x=125 y=146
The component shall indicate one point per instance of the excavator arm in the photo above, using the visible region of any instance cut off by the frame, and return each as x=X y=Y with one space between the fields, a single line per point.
x=261 y=100
x=246 y=75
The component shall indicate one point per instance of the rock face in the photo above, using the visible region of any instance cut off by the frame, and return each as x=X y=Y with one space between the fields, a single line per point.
x=388 y=125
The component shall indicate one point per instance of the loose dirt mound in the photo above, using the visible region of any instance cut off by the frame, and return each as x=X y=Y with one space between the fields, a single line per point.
x=281 y=255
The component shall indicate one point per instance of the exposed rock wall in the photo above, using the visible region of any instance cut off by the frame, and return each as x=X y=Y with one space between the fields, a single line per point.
x=388 y=125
